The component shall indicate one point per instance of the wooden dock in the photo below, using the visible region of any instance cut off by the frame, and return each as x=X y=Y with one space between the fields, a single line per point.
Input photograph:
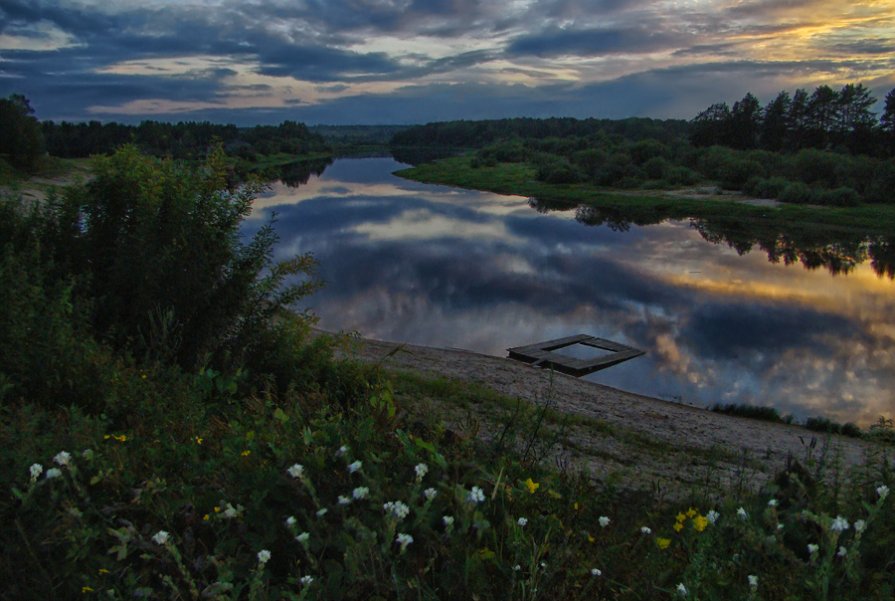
x=541 y=354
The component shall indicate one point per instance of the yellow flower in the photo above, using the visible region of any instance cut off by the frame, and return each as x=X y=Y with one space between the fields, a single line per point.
x=663 y=543
x=86 y=589
x=575 y=506
x=590 y=538
x=205 y=518
x=118 y=437
x=691 y=512
x=532 y=485
x=679 y=518
x=103 y=571
x=246 y=453
x=199 y=440
x=217 y=509
x=143 y=376
x=700 y=522
x=678 y=526
x=486 y=553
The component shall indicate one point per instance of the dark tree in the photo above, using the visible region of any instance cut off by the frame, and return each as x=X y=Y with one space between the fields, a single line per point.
x=798 y=120
x=745 y=122
x=854 y=119
x=711 y=126
x=21 y=142
x=775 y=125
x=823 y=107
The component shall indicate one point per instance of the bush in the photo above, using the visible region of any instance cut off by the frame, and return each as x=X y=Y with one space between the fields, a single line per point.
x=766 y=187
x=840 y=197
x=656 y=168
x=797 y=192
x=682 y=176
x=768 y=414
x=822 y=424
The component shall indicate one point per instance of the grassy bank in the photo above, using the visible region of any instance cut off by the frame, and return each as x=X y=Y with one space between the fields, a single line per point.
x=642 y=207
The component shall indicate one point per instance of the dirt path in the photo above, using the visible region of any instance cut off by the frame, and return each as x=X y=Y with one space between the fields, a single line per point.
x=649 y=442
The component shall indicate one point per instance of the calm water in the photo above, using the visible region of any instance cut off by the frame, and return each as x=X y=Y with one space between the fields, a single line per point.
x=447 y=267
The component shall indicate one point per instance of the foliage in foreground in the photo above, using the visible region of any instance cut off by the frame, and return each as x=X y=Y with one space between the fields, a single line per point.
x=286 y=473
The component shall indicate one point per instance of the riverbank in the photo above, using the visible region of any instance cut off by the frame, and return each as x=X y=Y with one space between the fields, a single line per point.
x=614 y=436
x=653 y=206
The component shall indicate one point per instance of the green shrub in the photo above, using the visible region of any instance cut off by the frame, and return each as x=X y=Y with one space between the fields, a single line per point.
x=797 y=192
x=840 y=197
x=768 y=414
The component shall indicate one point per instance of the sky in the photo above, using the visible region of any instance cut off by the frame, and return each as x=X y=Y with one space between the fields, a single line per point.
x=416 y=61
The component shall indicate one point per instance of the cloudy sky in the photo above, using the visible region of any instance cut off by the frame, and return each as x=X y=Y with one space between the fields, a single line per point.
x=410 y=61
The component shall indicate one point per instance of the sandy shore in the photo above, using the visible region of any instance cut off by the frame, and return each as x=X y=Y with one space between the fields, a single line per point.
x=650 y=442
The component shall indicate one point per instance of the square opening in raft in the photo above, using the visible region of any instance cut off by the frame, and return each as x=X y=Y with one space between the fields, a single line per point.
x=577 y=355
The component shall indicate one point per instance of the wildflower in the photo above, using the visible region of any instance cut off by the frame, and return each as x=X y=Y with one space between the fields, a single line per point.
x=663 y=543
x=860 y=525
x=361 y=492
x=206 y=517
x=297 y=470
x=883 y=491
x=53 y=472
x=103 y=571
x=160 y=537
x=678 y=526
x=303 y=538
x=403 y=539
x=604 y=521
x=595 y=572
x=645 y=530
x=712 y=516
x=475 y=495
x=353 y=467
x=421 y=470
x=62 y=458
x=840 y=524
x=246 y=453
x=753 y=581
x=590 y=538
x=680 y=518
x=517 y=568
x=118 y=437
x=263 y=557
x=343 y=450
x=531 y=485
x=35 y=470
x=343 y=500
x=231 y=512
x=199 y=440
x=742 y=514
x=306 y=580
x=691 y=513
x=448 y=520
x=544 y=565
x=700 y=522
x=522 y=522
x=842 y=552
x=397 y=509
x=772 y=503
x=812 y=548
x=86 y=589
x=290 y=521
x=681 y=589
x=430 y=493
x=322 y=512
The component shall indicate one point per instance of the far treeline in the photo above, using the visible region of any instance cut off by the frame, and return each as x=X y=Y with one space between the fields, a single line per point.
x=824 y=148
x=26 y=140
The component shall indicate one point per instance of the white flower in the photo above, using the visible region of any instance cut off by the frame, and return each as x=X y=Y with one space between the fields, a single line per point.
x=430 y=493
x=403 y=539
x=812 y=548
x=322 y=512
x=53 y=472
x=353 y=467
x=522 y=522
x=64 y=458
x=35 y=470
x=779 y=526
x=595 y=572
x=517 y=568
x=860 y=525
x=645 y=530
x=421 y=470
x=741 y=513
x=290 y=521
x=342 y=451
x=544 y=565
x=681 y=589
x=604 y=521
x=396 y=509
x=306 y=580
x=296 y=471
x=343 y=500
x=772 y=503
x=475 y=495
x=361 y=492
x=263 y=556
x=753 y=581
x=840 y=524
x=303 y=537
x=231 y=512
x=712 y=516
x=160 y=537
x=842 y=552
x=448 y=520
x=883 y=491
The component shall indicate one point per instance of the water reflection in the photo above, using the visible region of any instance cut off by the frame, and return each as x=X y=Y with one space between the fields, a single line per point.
x=449 y=267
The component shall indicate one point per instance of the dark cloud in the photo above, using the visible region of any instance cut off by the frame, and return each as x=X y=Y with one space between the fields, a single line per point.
x=595 y=42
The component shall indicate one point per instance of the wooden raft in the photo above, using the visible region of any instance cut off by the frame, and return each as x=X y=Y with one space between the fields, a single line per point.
x=541 y=354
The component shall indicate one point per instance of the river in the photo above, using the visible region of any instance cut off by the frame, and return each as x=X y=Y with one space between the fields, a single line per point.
x=810 y=333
